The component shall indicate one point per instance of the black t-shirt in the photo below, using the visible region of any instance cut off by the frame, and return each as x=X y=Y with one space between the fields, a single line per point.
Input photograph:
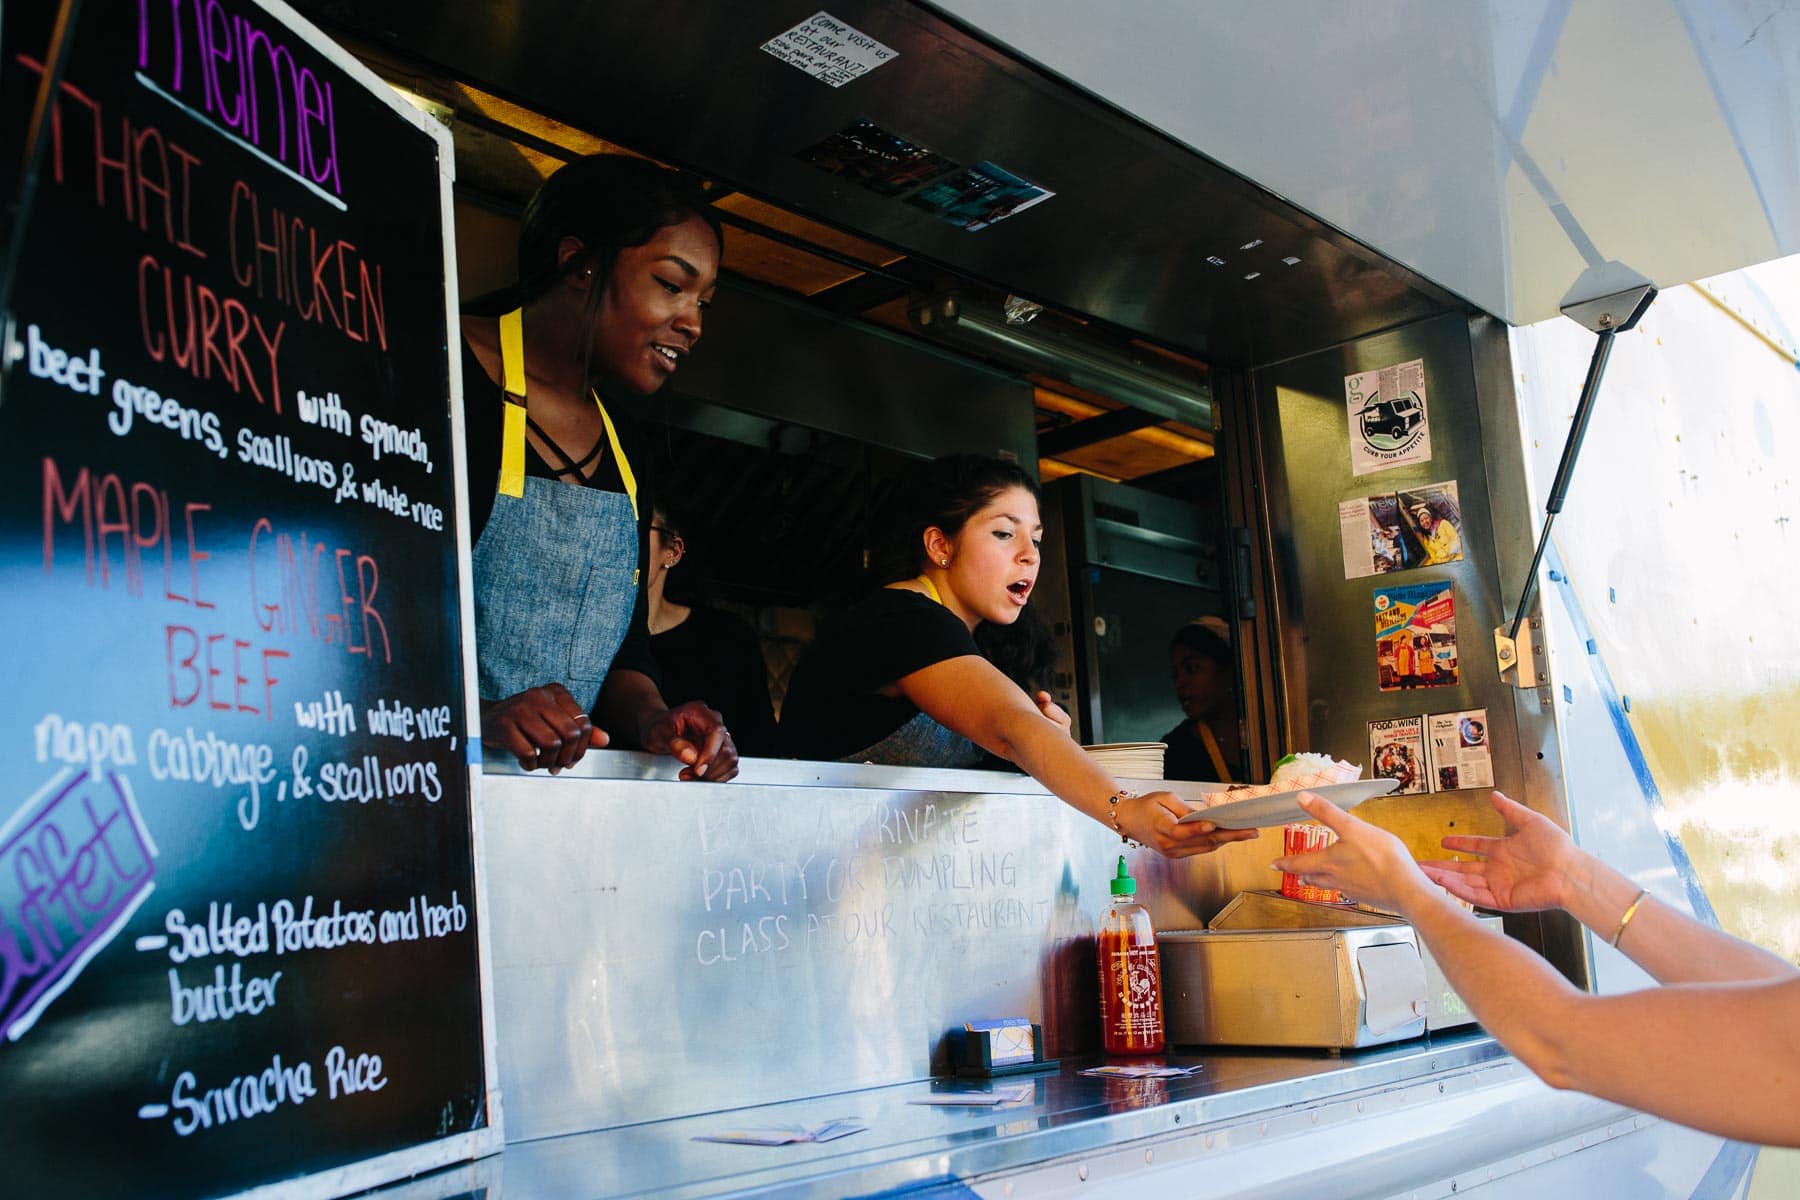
x=1186 y=757
x=715 y=657
x=483 y=422
x=833 y=707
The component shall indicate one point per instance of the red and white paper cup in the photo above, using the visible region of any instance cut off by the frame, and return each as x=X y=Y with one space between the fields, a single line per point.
x=1304 y=839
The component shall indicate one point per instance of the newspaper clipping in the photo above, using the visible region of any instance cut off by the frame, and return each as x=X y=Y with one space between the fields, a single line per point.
x=1418 y=527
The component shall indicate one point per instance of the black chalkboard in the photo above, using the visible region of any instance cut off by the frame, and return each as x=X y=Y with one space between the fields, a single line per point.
x=237 y=909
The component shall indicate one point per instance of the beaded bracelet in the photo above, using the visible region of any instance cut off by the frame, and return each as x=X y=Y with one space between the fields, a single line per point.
x=1112 y=810
x=1630 y=912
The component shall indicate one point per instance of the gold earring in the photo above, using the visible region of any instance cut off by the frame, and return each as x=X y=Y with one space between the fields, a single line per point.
x=943 y=562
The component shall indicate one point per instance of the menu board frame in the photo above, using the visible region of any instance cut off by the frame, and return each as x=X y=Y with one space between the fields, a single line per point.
x=487 y=1136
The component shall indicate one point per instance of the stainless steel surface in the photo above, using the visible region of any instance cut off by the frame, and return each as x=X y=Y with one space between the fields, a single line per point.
x=1271 y=910
x=779 y=358
x=1523 y=154
x=1432 y=1119
x=1328 y=988
x=907 y=1145
x=664 y=948
x=1126 y=238
x=1327 y=621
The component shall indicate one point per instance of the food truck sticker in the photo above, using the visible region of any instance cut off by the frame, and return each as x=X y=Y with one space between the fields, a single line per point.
x=1415 y=636
x=976 y=197
x=871 y=157
x=1397 y=751
x=829 y=50
x=1389 y=423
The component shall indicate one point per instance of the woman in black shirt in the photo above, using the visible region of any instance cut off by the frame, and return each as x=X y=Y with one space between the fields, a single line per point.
x=899 y=678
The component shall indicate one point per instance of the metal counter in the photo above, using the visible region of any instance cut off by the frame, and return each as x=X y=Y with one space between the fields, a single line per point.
x=675 y=959
x=1422 y=1119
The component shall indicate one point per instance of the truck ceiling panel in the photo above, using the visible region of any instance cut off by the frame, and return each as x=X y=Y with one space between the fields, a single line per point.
x=1142 y=233
x=1523 y=154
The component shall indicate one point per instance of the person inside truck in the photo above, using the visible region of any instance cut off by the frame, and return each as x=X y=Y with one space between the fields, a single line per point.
x=702 y=650
x=900 y=678
x=618 y=258
x=1713 y=1048
x=1206 y=744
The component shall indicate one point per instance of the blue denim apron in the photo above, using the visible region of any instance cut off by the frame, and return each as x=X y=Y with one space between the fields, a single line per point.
x=921 y=742
x=556 y=567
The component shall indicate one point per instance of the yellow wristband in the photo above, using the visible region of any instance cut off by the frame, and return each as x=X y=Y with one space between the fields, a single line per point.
x=1630 y=912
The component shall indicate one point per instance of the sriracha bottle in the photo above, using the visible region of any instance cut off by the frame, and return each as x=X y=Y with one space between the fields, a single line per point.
x=1131 y=1015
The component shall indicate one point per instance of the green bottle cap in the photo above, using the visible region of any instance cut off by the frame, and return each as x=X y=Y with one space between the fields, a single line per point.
x=1123 y=884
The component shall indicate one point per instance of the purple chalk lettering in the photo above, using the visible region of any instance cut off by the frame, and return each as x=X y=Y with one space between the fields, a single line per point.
x=74 y=864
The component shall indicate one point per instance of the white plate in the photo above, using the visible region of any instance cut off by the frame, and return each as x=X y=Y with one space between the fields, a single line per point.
x=1282 y=807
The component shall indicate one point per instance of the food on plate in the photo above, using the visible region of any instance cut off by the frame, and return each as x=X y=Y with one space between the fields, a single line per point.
x=1297 y=771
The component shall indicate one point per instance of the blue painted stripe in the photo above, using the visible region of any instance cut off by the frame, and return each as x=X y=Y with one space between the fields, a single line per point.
x=1728 y=1172
x=1628 y=739
x=946 y=1187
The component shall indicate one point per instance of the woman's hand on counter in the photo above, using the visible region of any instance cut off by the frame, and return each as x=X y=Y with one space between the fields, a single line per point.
x=1154 y=817
x=696 y=736
x=541 y=727
x=1050 y=708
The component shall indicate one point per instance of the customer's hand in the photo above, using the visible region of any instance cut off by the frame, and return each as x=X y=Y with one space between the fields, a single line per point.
x=1153 y=819
x=1365 y=863
x=1530 y=868
x=695 y=735
x=541 y=726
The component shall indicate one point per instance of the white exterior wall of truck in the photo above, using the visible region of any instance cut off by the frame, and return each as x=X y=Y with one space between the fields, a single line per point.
x=1674 y=647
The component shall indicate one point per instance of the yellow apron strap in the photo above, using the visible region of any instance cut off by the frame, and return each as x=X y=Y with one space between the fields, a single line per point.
x=512 y=433
x=930 y=588
x=1213 y=751
x=625 y=474
x=512 y=379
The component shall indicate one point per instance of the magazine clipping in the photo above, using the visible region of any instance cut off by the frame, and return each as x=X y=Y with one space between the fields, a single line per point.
x=1415 y=636
x=1397 y=751
x=1460 y=755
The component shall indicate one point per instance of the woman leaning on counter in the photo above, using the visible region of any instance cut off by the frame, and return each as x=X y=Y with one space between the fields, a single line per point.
x=899 y=678
x=617 y=259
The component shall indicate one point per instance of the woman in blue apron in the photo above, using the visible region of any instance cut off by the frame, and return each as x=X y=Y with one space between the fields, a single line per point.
x=901 y=680
x=617 y=259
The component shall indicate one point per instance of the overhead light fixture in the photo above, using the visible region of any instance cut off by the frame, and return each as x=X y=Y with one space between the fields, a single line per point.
x=1140 y=382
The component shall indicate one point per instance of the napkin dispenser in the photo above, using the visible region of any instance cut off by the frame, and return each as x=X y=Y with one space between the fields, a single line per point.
x=1274 y=971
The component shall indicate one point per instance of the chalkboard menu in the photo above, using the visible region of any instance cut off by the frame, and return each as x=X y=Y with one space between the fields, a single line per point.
x=237 y=909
